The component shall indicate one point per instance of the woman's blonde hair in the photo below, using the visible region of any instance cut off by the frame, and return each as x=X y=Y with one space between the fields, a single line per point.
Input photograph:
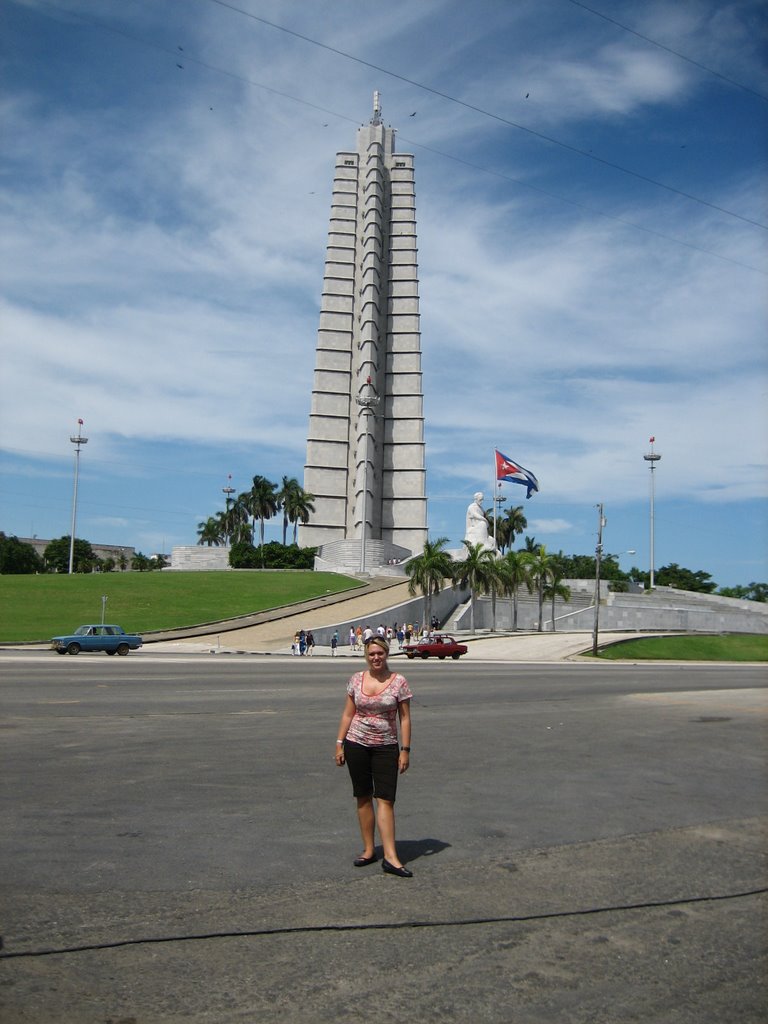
x=380 y=640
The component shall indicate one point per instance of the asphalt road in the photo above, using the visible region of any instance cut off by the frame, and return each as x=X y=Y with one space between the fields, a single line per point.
x=588 y=844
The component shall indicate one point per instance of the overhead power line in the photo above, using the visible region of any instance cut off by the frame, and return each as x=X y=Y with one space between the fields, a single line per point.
x=594 y=211
x=668 y=49
x=489 y=114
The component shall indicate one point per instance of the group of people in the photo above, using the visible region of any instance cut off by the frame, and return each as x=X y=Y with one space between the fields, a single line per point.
x=401 y=634
x=303 y=643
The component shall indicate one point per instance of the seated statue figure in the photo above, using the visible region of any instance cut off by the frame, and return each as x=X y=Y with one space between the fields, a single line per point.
x=477 y=524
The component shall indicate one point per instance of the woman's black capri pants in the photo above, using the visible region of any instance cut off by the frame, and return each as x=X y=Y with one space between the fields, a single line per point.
x=373 y=770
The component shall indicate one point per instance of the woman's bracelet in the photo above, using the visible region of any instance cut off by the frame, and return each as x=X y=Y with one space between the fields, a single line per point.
x=339 y=743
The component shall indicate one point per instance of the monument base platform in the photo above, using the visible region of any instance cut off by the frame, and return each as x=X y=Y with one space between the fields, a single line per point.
x=382 y=558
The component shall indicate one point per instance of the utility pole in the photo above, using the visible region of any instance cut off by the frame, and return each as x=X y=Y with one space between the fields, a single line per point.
x=601 y=521
x=77 y=440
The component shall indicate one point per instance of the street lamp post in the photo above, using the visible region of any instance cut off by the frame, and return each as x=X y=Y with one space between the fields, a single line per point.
x=652 y=458
x=367 y=399
x=77 y=440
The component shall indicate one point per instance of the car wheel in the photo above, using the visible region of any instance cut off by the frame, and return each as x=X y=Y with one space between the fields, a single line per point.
x=441 y=657
x=122 y=649
x=425 y=655
x=409 y=657
x=61 y=650
x=110 y=652
x=455 y=657
x=73 y=648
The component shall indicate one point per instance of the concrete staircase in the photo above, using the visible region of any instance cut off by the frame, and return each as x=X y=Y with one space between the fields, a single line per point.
x=381 y=558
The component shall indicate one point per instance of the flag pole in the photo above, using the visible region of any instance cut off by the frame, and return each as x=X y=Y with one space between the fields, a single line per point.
x=495 y=549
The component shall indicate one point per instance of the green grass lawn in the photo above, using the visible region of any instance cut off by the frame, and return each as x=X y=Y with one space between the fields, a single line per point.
x=39 y=607
x=731 y=647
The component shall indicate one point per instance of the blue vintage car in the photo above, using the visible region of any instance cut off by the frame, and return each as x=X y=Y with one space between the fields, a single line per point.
x=112 y=639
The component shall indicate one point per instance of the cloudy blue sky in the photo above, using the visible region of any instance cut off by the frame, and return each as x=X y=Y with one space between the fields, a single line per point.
x=592 y=245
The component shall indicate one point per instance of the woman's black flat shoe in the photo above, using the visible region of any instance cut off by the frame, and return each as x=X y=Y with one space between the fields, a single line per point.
x=392 y=870
x=363 y=862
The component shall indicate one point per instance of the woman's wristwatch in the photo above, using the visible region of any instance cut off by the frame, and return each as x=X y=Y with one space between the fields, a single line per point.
x=406 y=749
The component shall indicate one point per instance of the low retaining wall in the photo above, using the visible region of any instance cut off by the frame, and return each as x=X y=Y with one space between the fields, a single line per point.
x=443 y=605
x=195 y=558
x=663 y=609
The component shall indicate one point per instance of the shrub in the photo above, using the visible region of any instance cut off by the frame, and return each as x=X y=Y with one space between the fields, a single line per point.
x=271 y=556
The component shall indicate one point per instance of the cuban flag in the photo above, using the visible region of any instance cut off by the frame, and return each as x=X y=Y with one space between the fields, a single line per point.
x=506 y=469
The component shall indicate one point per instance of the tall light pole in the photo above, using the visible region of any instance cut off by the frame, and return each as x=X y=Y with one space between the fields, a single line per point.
x=601 y=521
x=367 y=399
x=77 y=440
x=652 y=458
x=498 y=501
x=229 y=490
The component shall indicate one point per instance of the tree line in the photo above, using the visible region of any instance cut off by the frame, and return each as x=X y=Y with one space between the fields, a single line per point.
x=20 y=558
x=262 y=502
x=485 y=572
x=582 y=567
x=535 y=570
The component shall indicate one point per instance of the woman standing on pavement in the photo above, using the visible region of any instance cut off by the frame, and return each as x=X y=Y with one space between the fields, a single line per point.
x=367 y=742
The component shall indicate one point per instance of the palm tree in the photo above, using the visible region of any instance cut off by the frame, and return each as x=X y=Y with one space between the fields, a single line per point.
x=502 y=533
x=556 y=588
x=234 y=520
x=531 y=546
x=541 y=568
x=298 y=506
x=261 y=503
x=513 y=571
x=427 y=572
x=209 y=532
x=477 y=571
x=285 y=496
x=515 y=523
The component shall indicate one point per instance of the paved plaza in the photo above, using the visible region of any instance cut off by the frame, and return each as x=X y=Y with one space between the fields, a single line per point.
x=588 y=845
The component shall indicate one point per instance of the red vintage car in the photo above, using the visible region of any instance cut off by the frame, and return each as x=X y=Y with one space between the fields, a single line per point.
x=440 y=645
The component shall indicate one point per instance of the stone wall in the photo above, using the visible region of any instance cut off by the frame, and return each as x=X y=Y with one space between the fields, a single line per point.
x=195 y=558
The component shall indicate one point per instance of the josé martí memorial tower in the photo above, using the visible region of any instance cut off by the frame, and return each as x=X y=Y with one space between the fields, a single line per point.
x=365 y=445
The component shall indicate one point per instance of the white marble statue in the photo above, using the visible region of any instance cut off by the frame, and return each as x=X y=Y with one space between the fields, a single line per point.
x=477 y=525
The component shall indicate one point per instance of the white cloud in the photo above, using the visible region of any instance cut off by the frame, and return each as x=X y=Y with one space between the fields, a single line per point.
x=549 y=526
x=163 y=260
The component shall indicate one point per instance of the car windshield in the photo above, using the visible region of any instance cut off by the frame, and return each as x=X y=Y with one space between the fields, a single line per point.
x=82 y=631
